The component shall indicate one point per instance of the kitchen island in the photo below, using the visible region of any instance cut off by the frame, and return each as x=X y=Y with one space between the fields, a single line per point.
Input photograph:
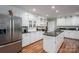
x=52 y=41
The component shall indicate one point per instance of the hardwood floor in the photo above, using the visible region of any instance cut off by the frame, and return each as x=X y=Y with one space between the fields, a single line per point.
x=68 y=46
x=36 y=47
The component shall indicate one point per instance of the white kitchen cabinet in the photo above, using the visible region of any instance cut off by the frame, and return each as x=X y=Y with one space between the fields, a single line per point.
x=68 y=21
x=59 y=41
x=66 y=33
x=73 y=21
x=71 y=34
x=60 y=21
x=31 y=37
x=26 y=39
x=40 y=35
x=52 y=44
x=74 y=34
x=49 y=44
x=64 y=21
x=35 y=36
x=76 y=21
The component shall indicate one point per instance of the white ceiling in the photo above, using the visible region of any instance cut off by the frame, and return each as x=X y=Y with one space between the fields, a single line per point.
x=43 y=10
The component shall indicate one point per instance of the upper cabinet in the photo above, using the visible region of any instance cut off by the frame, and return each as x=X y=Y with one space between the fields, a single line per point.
x=68 y=21
x=76 y=21
x=60 y=21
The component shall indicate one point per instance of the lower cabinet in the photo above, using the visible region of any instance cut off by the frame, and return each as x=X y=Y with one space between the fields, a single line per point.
x=26 y=39
x=67 y=34
x=74 y=34
x=49 y=44
x=71 y=34
x=52 y=44
x=32 y=37
x=59 y=41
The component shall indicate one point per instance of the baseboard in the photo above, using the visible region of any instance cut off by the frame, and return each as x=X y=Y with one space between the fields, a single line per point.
x=71 y=38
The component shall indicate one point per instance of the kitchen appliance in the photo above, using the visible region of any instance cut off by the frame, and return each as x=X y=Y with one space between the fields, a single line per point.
x=10 y=34
x=24 y=29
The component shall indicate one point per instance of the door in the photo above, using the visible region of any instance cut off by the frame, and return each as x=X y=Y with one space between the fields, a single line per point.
x=17 y=28
x=5 y=29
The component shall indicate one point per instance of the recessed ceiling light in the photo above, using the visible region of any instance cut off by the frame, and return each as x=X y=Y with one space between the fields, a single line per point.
x=47 y=15
x=34 y=9
x=57 y=11
x=53 y=7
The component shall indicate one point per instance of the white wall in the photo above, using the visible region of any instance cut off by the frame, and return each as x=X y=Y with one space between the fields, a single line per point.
x=22 y=13
x=68 y=21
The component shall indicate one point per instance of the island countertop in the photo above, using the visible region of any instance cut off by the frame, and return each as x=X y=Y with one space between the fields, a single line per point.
x=53 y=33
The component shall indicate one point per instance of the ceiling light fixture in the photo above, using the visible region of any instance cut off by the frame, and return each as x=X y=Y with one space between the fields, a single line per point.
x=47 y=15
x=57 y=11
x=34 y=9
x=53 y=7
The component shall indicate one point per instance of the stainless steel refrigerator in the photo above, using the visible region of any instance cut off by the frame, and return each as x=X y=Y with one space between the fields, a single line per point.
x=10 y=34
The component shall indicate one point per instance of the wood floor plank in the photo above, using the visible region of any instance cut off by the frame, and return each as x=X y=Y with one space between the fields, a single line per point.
x=36 y=47
x=70 y=46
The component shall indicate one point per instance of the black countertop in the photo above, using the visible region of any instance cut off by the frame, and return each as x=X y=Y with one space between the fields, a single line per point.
x=53 y=33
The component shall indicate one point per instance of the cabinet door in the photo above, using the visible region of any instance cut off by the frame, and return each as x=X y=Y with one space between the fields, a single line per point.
x=75 y=21
x=77 y=35
x=39 y=35
x=33 y=37
x=67 y=34
x=68 y=21
x=74 y=34
x=61 y=22
x=36 y=36
x=59 y=41
x=49 y=44
x=25 y=39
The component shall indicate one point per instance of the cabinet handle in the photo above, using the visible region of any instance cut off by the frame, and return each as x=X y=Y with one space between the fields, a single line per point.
x=10 y=29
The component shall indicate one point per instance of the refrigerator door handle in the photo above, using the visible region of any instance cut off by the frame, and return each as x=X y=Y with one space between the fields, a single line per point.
x=13 y=28
x=10 y=29
x=9 y=44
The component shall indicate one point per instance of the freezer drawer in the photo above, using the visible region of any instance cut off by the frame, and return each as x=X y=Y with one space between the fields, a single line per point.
x=11 y=47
